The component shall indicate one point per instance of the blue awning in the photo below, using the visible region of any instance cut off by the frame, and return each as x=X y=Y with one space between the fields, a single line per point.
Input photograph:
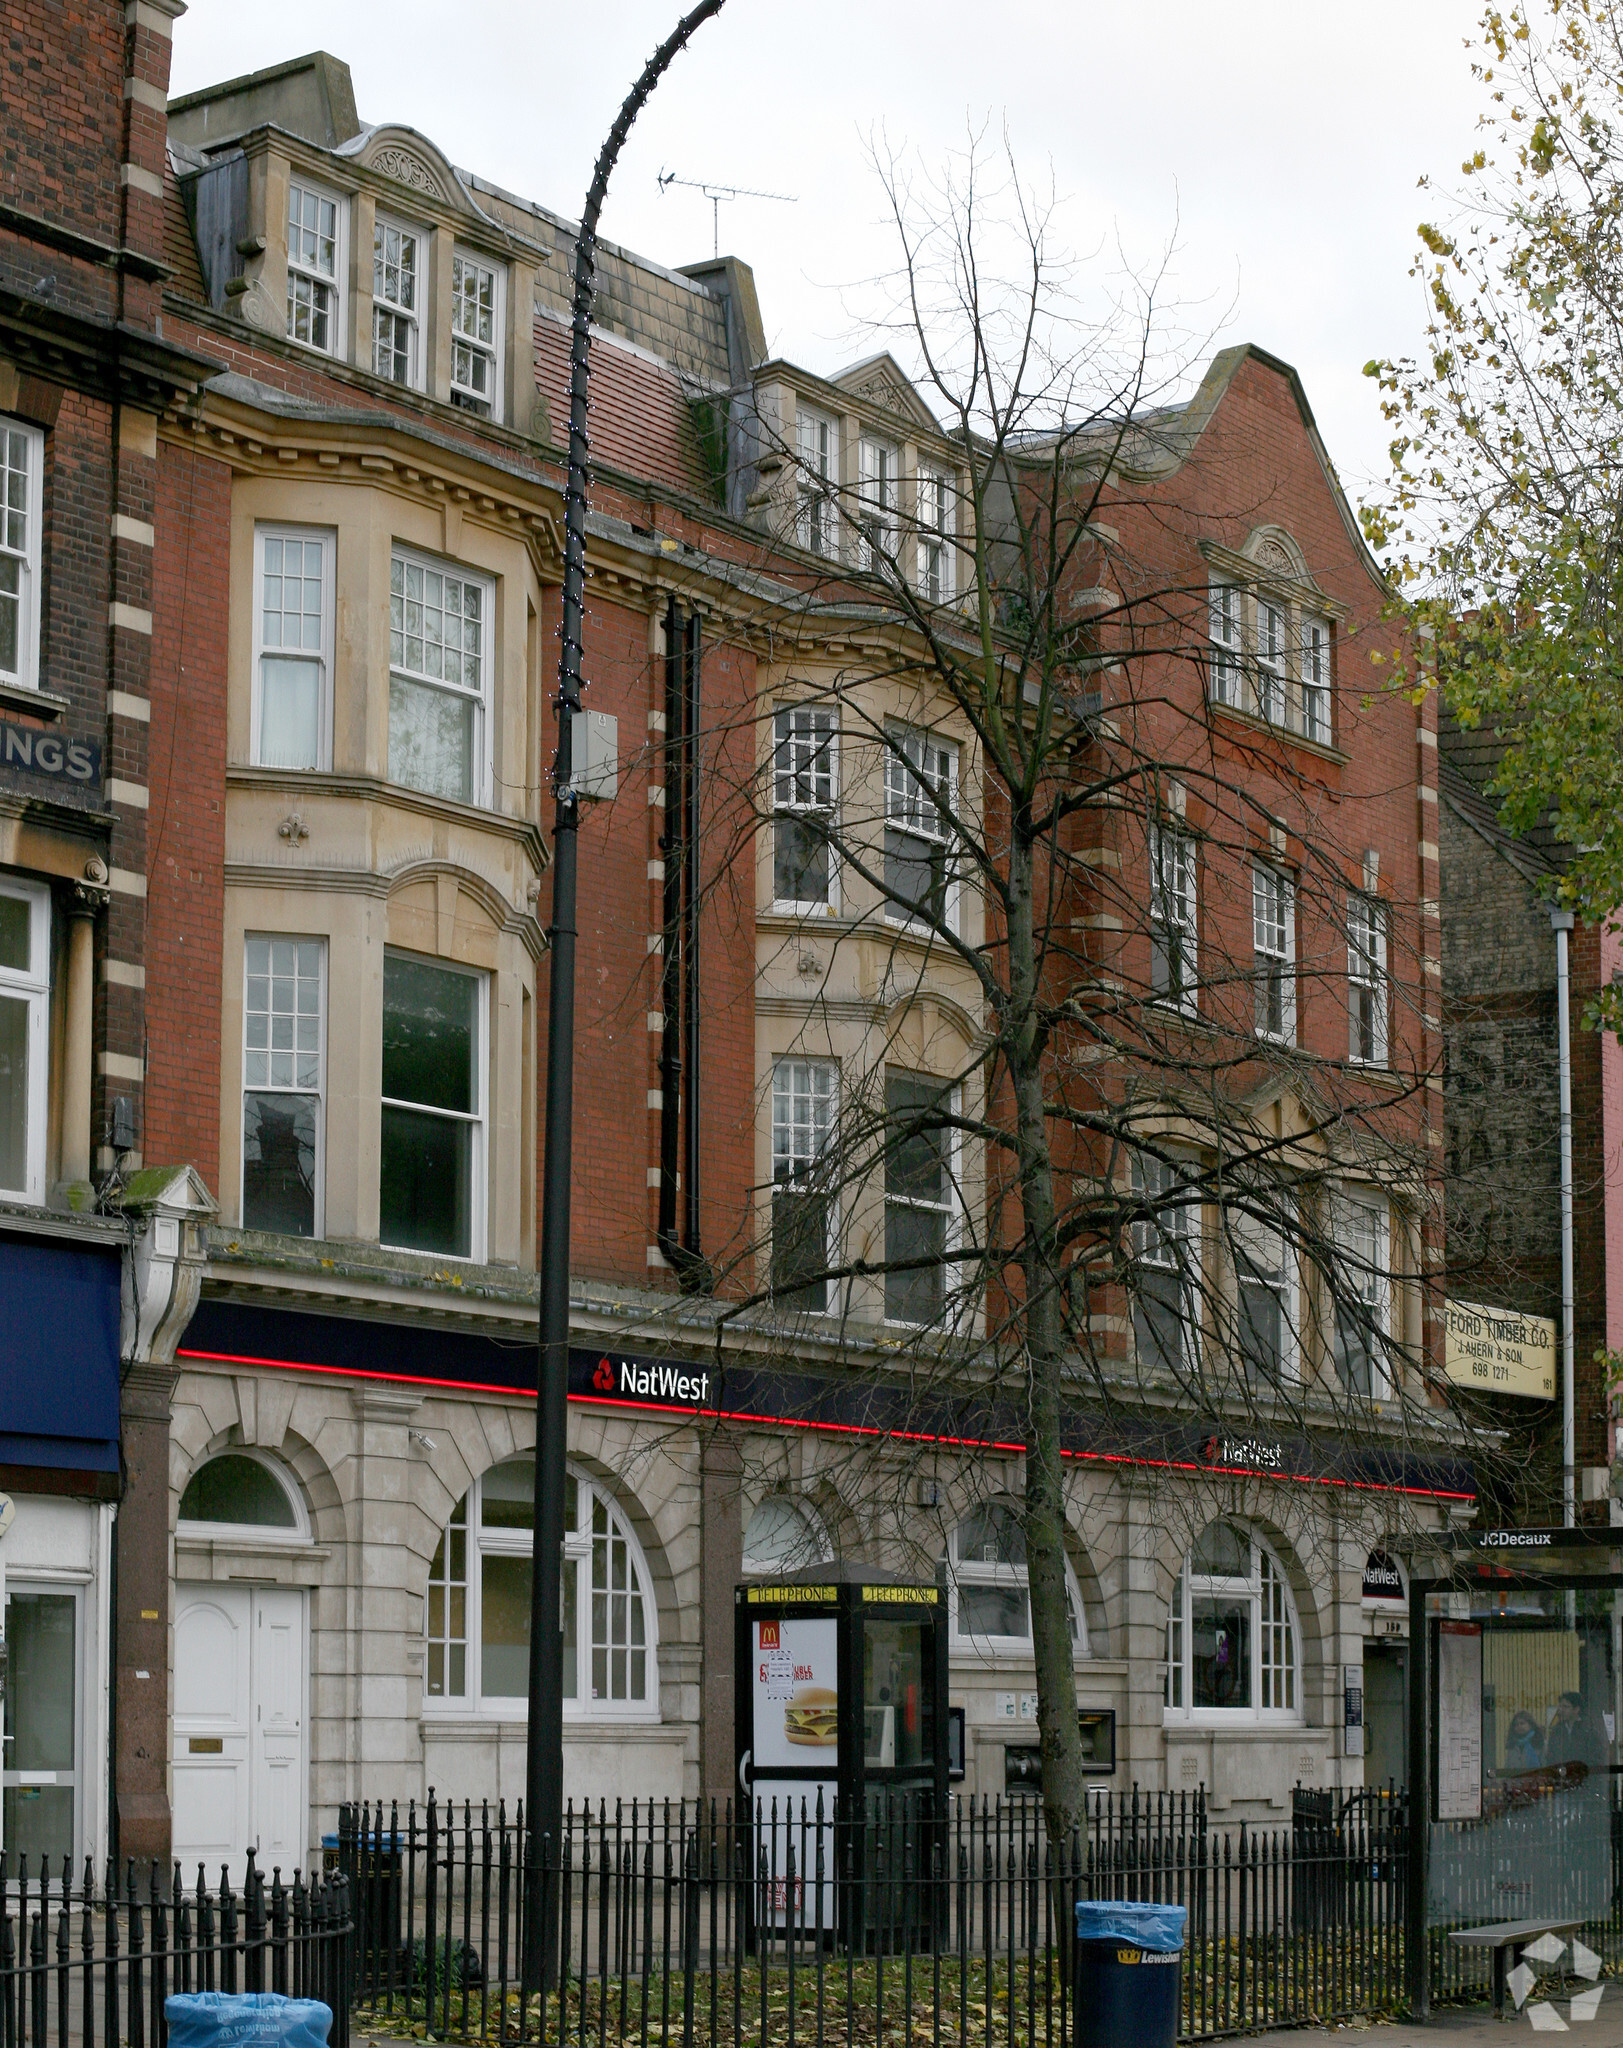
x=59 y=1330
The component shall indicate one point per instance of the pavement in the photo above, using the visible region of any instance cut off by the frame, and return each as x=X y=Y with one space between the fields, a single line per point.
x=1468 y=2027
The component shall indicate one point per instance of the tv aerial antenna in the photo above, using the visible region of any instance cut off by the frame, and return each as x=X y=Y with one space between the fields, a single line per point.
x=717 y=193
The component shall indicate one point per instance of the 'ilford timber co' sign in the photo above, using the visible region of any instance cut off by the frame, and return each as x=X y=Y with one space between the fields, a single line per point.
x=1498 y=1351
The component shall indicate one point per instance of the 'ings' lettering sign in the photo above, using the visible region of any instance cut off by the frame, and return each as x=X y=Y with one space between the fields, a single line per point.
x=49 y=754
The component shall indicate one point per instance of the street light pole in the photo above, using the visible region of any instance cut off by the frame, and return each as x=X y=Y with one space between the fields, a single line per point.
x=544 y=1761
x=1562 y=922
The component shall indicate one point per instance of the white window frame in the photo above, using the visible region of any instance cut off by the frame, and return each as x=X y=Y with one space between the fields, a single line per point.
x=878 y=467
x=478 y=1118
x=937 y=491
x=816 y=1547
x=1175 y=913
x=1361 y=1231
x=915 y=761
x=952 y=1208
x=1267 y=1245
x=323 y=656
x=23 y=523
x=384 y=225
x=473 y=1701
x=463 y=392
x=1171 y=1241
x=255 y=1533
x=312 y=274
x=965 y=1571
x=1366 y=977
x=810 y=732
x=319 y=1091
x=1272 y=679
x=433 y=565
x=817 y=510
x=1315 y=657
x=1273 y=943
x=32 y=986
x=1227 y=657
x=1275 y=1648
x=795 y=1080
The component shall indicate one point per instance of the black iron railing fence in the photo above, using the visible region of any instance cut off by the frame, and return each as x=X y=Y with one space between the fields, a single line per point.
x=88 y=1966
x=791 y=1924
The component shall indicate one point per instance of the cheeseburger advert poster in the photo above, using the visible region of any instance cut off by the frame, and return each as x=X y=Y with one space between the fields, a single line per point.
x=796 y=1693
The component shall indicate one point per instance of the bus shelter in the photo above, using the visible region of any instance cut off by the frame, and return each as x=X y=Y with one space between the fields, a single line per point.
x=1513 y=1736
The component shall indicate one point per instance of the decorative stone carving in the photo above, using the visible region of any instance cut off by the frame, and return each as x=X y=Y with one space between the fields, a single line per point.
x=1272 y=555
x=254 y=306
x=406 y=169
x=293 y=829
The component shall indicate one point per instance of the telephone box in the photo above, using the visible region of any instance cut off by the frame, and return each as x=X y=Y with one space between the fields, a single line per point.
x=841 y=1696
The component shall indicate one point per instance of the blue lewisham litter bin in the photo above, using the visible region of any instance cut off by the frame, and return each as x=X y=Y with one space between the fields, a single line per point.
x=1128 y=1971
x=245 y=2019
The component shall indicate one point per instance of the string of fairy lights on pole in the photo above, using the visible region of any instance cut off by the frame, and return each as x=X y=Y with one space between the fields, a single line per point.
x=544 y=1760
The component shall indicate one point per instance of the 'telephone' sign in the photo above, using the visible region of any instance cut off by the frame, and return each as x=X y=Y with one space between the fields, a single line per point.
x=1498 y=1351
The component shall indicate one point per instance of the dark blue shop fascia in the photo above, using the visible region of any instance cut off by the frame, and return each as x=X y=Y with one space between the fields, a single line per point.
x=59 y=1330
x=243 y=1333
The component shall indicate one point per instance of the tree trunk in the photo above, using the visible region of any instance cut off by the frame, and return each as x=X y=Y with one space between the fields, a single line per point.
x=1045 y=1489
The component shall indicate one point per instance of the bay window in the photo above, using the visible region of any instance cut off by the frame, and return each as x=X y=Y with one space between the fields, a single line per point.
x=919 y=1197
x=25 y=993
x=921 y=789
x=439 y=660
x=291 y=717
x=1233 y=1639
x=803 y=1102
x=805 y=765
x=22 y=463
x=283 y=1126
x=315 y=267
x=431 y=1162
x=477 y=1614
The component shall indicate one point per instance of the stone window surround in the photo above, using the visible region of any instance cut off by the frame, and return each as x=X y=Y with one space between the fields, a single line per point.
x=1256 y=1716
x=1298 y=598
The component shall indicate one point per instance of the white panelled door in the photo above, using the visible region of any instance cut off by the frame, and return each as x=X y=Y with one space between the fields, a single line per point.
x=239 y=1744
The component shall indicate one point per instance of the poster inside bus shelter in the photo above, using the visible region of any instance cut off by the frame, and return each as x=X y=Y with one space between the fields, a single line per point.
x=794 y=1689
x=1525 y=1720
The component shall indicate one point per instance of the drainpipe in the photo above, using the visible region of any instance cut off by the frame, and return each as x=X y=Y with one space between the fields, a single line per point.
x=1562 y=921
x=670 y=974
x=698 y=1272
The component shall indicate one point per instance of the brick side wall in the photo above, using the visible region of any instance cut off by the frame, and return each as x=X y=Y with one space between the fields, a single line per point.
x=186 y=832
x=61 y=84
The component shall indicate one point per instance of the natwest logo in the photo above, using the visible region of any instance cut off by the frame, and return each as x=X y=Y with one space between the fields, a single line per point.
x=666 y=1385
x=1249 y=1453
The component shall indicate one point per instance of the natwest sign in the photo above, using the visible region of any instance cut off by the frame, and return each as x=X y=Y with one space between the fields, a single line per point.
x=644 y=1382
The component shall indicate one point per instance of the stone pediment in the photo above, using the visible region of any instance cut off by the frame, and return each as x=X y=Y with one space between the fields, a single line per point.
x=411 y=160
x=881 y=381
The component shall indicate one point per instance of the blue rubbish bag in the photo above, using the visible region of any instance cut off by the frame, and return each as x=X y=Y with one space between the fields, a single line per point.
x=1129 y=1967
x=245 y=2019
x=1153 y=1927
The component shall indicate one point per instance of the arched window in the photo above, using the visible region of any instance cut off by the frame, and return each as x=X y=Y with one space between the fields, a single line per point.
x=990 y=1588
x=478 y=1609
x=244 y=1491
x=1233 y=1640
x=785 y=1535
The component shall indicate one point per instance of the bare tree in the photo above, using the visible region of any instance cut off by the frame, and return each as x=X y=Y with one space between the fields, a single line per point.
x=1059 y=1124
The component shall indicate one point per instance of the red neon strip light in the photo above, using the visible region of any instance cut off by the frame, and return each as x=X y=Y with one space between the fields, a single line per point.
x=915 y=1436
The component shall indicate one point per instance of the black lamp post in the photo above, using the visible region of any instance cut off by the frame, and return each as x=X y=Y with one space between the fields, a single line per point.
x=544 y=1760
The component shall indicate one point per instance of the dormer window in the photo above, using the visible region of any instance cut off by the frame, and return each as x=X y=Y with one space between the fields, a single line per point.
x=315 y=236
x=935 y=536
x=819 y=450
x=877 y=512
x=476 y=325
x=396 y=302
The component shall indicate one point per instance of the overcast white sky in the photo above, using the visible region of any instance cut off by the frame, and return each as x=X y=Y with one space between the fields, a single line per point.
x=1280 y=141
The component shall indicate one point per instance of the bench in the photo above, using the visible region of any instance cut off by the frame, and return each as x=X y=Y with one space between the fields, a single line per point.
x=1504 y=1937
